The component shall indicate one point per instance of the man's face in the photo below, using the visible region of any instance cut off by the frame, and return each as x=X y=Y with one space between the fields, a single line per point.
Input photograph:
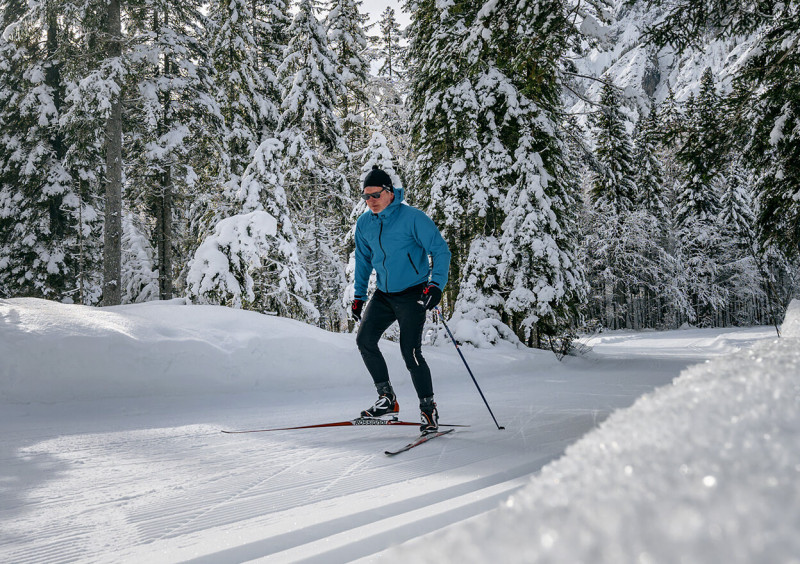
x=385 y=197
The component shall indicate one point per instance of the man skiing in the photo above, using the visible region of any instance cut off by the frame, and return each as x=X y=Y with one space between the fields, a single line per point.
x=411 y=261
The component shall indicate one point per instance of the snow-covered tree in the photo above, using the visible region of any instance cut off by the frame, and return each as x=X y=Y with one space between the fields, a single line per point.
x=309 y=127
x=251 y=260
x=390 y=51
x=242 y=87
x=311 y=131
x=702 y=154
x=139 y=272
x=173 y=125
x=489 y=157
x=386 y=90
x=49 y=221
x=614 y=186
x=444 y=109
x=476 y=318
x=648 y=170
x=242 y=264
x=348 y=40
x=768 y=100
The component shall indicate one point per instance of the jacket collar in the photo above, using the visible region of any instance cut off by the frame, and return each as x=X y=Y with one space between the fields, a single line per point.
x=399 y=196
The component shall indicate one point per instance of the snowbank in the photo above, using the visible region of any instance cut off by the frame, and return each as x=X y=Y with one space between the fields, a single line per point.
x=791 y=324
x=704 y=470
x=54 y=352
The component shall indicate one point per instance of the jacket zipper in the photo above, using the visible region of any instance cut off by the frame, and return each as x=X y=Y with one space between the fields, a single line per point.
x=412 y=263
x=380 y=243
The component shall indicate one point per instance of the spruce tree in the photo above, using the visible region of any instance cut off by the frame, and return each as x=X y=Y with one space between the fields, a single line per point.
x=347 y=39
x=649 y=172
x=485 y=100
x=443 y=106
x=252 y=259
x=701 y=154
x=614 y=186
x=386 y=91
x=390 y=50
x=311 y=131
x=768 y=103
x=242 y=89
x=175 y=120
x=47 y=215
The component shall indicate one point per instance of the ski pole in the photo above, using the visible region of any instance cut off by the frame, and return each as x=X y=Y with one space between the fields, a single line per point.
x=452 y=338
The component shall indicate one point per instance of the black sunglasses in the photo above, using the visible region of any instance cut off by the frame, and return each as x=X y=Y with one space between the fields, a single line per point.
x=367 y=195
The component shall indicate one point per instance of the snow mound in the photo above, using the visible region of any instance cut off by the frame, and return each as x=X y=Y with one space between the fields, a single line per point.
x=54 y=352
x=791 y=323
x=704 y=470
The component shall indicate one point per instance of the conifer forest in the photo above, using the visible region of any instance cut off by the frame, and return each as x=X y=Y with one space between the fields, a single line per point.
x=592 y=166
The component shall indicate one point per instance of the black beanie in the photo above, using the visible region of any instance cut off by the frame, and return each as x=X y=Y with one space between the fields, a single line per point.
x=376 y=177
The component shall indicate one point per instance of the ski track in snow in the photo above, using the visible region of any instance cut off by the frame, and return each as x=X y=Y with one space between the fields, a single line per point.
x=153 y=480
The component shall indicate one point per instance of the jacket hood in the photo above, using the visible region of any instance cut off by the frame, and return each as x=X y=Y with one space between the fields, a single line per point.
x=399 y=198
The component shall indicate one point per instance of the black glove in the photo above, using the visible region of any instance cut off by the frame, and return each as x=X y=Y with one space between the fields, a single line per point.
x=431 y=296
x=355 y=309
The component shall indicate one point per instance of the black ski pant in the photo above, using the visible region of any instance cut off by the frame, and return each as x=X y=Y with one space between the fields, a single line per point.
x=383 y=310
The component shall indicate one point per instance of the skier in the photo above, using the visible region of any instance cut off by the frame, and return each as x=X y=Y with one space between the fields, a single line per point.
x=411 y=260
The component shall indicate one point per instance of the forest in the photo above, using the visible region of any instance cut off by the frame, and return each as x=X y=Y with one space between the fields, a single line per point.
x=153 y=149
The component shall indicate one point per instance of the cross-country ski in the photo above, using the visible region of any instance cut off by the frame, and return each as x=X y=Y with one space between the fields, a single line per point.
x=421 y=440
x=357 y=422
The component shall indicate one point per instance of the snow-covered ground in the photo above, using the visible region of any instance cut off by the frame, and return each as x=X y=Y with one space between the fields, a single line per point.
x=111 y=450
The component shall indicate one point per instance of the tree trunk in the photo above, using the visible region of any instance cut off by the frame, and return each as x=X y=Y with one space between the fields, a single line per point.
x=112 y=251
x=163 y=199
x=164 y=236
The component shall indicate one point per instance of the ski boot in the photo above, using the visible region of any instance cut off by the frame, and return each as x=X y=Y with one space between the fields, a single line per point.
x=386 y=403
x=429 y=415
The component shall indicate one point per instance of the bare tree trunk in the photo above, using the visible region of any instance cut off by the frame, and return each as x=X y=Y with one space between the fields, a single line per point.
x=112 y=251
x=164 y=235
x=163 y=199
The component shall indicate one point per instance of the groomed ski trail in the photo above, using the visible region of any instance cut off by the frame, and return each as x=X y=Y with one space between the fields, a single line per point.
x=154 y=480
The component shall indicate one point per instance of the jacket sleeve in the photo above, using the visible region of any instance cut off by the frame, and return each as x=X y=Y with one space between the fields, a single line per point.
x=430 y=239
x=363 y=268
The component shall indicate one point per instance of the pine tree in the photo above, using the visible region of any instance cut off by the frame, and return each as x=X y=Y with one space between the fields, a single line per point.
x=539 y=232
x=444 y=109
x=386 y=91
x=614 y=187
x=485 y=130
x=252 y=260
x=702 y=154
x=249 y=114
x=390 y=50
x=175 y=120
x=47 y=216
x=771 y=107
x=315 y=146
x=139 y=270
x=476 y=313
x=347 y=39
x=649 y=172
x=768 y=102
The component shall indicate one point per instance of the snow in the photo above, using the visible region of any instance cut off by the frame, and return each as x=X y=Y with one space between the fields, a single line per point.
x=111 y=450
x=704 y=470
x=776 y=134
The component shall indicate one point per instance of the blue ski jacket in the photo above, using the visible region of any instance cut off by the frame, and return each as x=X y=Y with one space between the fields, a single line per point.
x=396 y=243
